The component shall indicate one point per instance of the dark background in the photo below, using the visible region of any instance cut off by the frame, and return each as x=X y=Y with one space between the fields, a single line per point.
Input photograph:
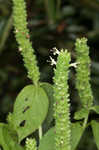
x=52 y=23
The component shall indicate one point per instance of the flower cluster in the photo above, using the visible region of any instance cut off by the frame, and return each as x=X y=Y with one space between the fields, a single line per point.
x=83 y=72
x=22 y=37
x=61 y=104
x=31 y=144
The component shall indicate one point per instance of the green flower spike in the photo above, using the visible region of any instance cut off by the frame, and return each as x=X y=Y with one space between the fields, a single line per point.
x=61 y=105
x=22 y=37
x=83 y=73
x=31 y=144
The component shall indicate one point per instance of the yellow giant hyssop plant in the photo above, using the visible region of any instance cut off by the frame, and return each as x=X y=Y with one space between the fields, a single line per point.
x=39 y=103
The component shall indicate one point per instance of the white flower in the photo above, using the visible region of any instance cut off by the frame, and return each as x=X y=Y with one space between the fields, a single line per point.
x=56 y=51
x=53 y=62
x=20 y=49
x=16 y=31
x=74 y=65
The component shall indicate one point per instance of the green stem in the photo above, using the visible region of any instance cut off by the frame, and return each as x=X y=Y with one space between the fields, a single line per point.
x=85 y=122
x=40 y=132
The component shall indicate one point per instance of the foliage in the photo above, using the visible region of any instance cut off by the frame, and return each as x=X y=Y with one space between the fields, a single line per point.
x=33 y=104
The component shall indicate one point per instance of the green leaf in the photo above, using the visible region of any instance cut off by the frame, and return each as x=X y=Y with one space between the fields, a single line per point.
x=30 y=110
x=48 y=88
x=48 y=143
x=2 y=142
x=7 y=139
x=96 y=108
x=95 y=129
x=76 y=132
x=81 y=114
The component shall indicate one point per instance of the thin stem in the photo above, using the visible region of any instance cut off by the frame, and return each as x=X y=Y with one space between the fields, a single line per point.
x=40 y=132
x=85 y=122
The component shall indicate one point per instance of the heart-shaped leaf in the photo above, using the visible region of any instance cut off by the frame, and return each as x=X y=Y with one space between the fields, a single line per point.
x=30 y=110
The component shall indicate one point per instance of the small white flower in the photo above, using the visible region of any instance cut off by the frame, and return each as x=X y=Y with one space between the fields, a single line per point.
x=56 y=51
x=62 y=142
x=20 y=49
x=16 y=31
x=53 y=62
x=74 y=65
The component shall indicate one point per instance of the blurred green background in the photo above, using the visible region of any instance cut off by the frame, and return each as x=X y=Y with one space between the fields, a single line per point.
x=52 y=23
